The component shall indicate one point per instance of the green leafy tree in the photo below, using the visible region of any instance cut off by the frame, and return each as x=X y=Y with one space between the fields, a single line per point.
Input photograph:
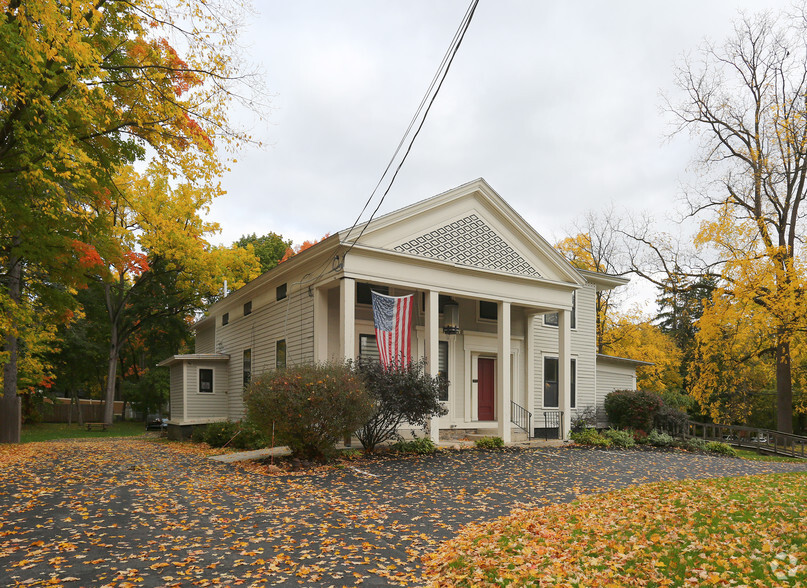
x=269 y=248
x=89 y=86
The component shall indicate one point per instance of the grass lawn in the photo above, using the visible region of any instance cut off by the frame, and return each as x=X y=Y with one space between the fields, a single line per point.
x=732 y=531
x=753 y=455
x=48 y=431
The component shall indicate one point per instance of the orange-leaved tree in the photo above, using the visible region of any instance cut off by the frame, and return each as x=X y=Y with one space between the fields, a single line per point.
x=89 y=86
x=158 y=262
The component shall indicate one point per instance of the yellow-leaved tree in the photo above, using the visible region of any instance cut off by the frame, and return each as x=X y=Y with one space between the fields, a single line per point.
x=746 y=100
x=89 y=86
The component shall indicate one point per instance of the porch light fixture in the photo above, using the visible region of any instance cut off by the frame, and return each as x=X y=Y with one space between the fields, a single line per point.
x=451 y=318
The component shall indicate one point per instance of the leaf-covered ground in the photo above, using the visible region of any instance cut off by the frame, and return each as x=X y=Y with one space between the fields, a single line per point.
x=748 y=531
x=128 y=512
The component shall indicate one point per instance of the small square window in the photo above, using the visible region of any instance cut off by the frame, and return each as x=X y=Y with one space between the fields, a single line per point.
x=248 y=308
x=442 y=299
x=280 y=293
x=363 y=289
x=225 y=318
x=205 y=381
x=551 y=319
x=488 y=311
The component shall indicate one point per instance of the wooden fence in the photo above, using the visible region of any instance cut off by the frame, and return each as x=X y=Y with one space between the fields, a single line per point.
x=763 y=440
x=65 y=412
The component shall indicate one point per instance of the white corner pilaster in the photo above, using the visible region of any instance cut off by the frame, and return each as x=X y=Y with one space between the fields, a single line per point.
x=529 y=365
x=564 y=370
x=347 y=324
x=432 y=336
x=320 y=325
x=504 y=377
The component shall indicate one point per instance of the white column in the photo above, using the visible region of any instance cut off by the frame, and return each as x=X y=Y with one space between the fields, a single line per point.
x=529 y=362
x=347 y=322
x=504 y=377
x=433 y=349
x=320 y=324
x=564 y=369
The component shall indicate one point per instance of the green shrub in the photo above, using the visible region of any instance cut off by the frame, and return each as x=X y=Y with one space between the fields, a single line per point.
x=312 y=406
x=677 y=399
x=420 y=445
x=214 y=434
x=489 y=443
x=584 y=419
x=589 y=437
x=620 y=438
x=660 y=439
x=401 y=394
x=721 y=448
x=695 y=444
x=632 y=409
x=238 y=435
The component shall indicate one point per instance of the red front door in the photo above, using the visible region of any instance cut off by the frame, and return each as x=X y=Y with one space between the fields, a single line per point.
x=486 y=377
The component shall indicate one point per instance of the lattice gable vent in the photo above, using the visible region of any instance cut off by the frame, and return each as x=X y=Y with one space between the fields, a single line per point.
x=469 y=241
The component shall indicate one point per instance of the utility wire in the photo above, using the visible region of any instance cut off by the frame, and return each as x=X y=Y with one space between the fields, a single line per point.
x=433 y=90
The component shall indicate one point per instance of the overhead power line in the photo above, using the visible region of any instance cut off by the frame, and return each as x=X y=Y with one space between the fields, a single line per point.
x=416 y=123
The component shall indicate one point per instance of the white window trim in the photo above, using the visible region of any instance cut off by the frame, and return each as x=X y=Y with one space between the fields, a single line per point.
x=576 y=317
x=576 y=360
x=286 y=342
x=486 y=321
x=199 y=380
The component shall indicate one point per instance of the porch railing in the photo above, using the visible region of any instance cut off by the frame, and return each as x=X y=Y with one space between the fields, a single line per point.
x=522 y=418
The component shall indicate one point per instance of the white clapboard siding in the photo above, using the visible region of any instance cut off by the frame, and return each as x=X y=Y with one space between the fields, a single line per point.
x=206 y=339
x=204 y=405
x=290 y=319
x=177 y=392
x=583 y=348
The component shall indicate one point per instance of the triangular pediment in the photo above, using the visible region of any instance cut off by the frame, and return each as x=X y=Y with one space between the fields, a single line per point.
x=469 y=241
x=470 y=226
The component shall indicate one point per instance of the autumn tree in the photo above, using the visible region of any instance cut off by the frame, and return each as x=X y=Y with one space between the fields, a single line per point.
x=88 y=86
x=269 y=248
x=745 y=99
x=160 y=265
x=596 y=245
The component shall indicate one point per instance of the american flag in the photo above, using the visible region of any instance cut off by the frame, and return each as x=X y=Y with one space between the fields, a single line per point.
x=392 y=316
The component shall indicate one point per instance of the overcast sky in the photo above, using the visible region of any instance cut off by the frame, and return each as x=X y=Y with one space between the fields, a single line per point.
x=556 y=104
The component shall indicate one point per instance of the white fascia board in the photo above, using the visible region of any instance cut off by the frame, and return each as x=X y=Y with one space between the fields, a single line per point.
x=603 y=281
x=395 y=268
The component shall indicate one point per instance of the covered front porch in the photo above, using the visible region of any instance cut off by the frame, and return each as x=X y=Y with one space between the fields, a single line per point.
x=487 y=348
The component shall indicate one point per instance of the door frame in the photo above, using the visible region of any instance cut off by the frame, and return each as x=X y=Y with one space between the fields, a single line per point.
x=487 y=345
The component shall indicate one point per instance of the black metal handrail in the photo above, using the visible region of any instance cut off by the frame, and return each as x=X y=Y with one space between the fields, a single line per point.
x=553 y=419
x=753 y=437
x=521 y=417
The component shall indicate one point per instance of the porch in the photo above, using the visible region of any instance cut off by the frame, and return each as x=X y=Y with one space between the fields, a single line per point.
x=465 y=344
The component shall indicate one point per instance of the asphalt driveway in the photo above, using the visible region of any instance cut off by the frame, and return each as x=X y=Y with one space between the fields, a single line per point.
x=137 y=513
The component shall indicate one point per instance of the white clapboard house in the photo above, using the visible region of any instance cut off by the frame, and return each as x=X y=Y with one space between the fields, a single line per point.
x=497 y=310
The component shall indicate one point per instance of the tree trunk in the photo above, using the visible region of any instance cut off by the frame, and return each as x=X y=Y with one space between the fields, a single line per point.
x=109 y=397
x=784 y=385
x=11 y=407
x=112 y=372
